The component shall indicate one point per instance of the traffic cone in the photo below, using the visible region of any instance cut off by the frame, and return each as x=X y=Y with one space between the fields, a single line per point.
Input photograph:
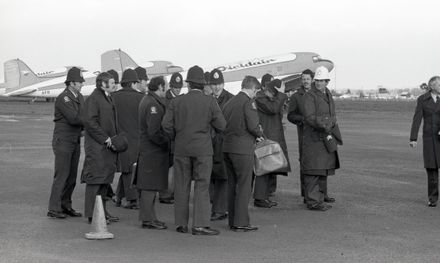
x=99 y=224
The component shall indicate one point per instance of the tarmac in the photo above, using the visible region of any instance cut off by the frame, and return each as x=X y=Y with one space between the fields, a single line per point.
x=380 y=214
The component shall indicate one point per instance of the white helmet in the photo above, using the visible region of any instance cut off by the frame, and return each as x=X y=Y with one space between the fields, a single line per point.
x=321 y=73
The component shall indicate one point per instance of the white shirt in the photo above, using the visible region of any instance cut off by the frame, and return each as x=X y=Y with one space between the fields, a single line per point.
x=434 y=97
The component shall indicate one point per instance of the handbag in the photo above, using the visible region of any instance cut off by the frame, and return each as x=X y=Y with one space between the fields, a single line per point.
x=269 y=157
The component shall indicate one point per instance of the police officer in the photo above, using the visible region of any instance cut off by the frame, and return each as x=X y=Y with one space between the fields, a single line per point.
x=241 y=131
x=190 y=119
x=101 y=159
x=127 y=101
x=66 y=145
x=218 y=189
x=176 y=82
x=207 y=89
x=154 y=153
x=143 y=79
x=270 y=106
x=296 y=116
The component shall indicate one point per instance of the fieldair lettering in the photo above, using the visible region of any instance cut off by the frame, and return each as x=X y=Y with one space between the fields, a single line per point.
x=246 y=64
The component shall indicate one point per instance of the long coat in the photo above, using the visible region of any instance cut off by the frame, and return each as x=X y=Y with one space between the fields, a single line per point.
x=296 y=116
x=154 y=146
x=429 y=111
x=320 y=121
x=270 y=112
x=127 y=105
x=99 y=123
x=218 y=166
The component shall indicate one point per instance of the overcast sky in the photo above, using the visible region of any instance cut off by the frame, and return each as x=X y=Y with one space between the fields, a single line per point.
x=391 y=43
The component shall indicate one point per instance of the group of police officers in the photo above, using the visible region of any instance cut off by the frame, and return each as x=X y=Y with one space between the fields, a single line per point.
x=161 y=142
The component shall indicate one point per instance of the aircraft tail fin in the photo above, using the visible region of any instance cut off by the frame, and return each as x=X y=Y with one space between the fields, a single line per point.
x=117 y=60
x=18 y=75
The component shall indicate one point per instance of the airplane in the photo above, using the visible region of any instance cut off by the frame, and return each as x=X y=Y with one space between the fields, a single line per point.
x=20 y=80
x=287 y=67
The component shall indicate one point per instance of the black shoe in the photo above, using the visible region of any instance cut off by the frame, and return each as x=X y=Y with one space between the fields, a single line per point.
x=218 y=216
x=329 y=199
x=273 y=203
x=153 y=225
x=118 y=202
x=159 y=222
x=182 y=229
x=55 y=214
x=111 y=218
x=206 y=231
x=89 y=220
x=168 y=201
x=244 y=228
x=71 y=212
x=320 y=207
x=262 y=203
x=132 y=205
x=432 y=204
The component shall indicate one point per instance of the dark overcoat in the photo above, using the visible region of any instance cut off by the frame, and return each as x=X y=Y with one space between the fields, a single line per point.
x=190 y=119
x=127 y=105
x=218 y=166
x=320 y=121
x=99 y=123
x=296 y=116
x=270 y=113
x=154 y=145
x=428 y=111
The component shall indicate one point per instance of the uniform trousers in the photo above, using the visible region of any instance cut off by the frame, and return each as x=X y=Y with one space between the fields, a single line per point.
x=302 y=183
x=169 y=192
x=432 y=184
x=66 y=169
x=218 y=192
x=262 y=187
x=239 y=168
x=186 y=169
x=146 y=206
x=124 y=189
x=92 y=190
x=272 y=183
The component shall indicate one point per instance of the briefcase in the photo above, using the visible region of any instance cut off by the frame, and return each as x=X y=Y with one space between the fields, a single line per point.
x=269 y=157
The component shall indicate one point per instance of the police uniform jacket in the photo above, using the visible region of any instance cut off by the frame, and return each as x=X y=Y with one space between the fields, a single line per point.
x=242 y=125
x=270 y=113
x=429 y=111
x=218 y=167
x=295 y=114
x=100 y=123
x=67 y=116
x=154 y=146
x=127 y=101
x=319 y=122
x=190 y=119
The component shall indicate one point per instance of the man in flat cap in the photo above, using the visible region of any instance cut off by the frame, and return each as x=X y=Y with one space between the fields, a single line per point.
x=190 y=119
x=66 y=145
